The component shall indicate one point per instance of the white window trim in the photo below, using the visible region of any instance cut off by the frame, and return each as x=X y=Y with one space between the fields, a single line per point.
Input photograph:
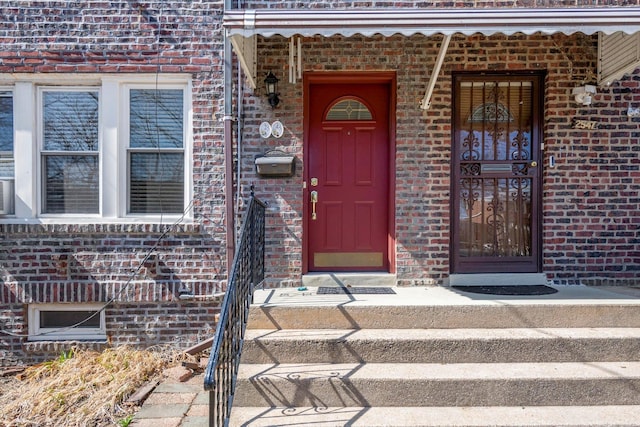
x=36 y=333
x=112 y=164
x=24 y=121
x=124 y=145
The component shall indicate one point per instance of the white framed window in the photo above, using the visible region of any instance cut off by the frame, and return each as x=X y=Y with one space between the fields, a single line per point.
x=65 y=322
x=69 y=150
x=96 y=148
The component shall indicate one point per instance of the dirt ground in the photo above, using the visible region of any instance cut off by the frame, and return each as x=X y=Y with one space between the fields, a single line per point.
x=82 y=389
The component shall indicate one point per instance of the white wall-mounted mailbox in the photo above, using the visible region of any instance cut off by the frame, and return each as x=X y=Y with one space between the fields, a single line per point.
x=275 y=165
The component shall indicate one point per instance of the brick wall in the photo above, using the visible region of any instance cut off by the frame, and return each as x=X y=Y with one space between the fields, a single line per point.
x=98 y=262
x=590 y=202
x=592 y=210
x=177 y=323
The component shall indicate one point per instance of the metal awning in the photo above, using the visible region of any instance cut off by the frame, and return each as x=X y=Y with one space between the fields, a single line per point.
x=243 y=25
x=387 y=22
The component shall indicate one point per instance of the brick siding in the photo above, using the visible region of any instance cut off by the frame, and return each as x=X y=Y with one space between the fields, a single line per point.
x=590 y=203
x=590 y=200
x=98 y=262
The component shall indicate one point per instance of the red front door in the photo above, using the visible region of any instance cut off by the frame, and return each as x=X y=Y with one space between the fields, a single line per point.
x=347 y=194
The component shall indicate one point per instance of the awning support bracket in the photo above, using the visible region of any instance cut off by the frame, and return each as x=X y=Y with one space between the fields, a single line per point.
x=425 y=104
x=246 y=50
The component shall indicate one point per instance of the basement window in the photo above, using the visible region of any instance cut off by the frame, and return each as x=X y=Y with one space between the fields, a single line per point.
x=64 y=322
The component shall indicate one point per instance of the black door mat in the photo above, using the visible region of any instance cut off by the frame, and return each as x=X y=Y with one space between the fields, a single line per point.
x=339 y=290
x=520 y=290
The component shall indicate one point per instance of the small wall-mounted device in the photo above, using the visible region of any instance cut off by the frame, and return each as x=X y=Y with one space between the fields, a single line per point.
x=275 y=163
x=633 y=112
x=6 y=196
x=582 y=94
x=552 y=161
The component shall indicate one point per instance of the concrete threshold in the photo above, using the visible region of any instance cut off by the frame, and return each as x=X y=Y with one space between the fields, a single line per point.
x=502 y=279
x=349 y=279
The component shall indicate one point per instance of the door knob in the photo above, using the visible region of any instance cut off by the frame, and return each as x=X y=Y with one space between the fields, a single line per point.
x=314 y=200
x=533 y=164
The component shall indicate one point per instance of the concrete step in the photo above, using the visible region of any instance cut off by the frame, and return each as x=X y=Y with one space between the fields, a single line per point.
x=520 y=416
x=441 y=345
x=437 y=356
x=513 y=315
x=416 y=384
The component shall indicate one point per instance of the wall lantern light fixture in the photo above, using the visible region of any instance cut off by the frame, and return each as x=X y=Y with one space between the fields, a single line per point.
x=271 y=83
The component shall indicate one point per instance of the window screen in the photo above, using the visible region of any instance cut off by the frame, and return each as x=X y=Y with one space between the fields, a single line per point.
x=64 y=319
x=156 y=151
x=70 y=152
x=6 y=135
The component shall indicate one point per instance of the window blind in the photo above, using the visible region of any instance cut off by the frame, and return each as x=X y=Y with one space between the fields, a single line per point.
x=156 y=156
x=6 y=135
x=70 y=152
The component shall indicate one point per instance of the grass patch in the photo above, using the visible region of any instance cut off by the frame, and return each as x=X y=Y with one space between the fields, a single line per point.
x=82 y=388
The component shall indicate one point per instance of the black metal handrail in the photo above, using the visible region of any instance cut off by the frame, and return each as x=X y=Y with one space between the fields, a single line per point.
x=247 y=272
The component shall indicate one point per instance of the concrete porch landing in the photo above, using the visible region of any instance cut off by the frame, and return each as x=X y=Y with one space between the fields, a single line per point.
x=445 y=308
x=573 y=306
x=446 y=296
